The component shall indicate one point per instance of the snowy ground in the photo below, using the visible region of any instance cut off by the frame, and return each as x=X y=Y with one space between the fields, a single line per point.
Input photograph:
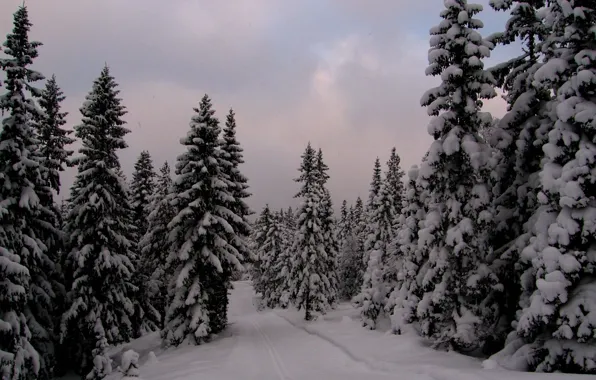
x=278 y=345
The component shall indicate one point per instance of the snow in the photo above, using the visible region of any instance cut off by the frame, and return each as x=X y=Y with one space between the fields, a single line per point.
x=280 y=345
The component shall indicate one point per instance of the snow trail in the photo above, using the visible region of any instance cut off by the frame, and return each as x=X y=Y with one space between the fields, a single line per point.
x=263 y=346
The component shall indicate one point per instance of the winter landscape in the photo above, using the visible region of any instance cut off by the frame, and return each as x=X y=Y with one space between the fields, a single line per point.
x=475 y=258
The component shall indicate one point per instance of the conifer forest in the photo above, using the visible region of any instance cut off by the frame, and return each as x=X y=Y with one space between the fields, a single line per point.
x=486 y=248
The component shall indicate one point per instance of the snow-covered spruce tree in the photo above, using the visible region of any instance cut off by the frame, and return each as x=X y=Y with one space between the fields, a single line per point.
x=271 y=257
x=359 y=231
x=518 y=138
x=394 y=180
x=343 y=222
x=308 y=283
x=154 y=246
x=147 y=317
x=375 y=287
x=202 y=238
x=289 y=232
x=53 y=138
x=404 y=299
x=364 y=215
x=130 y=365
x=238 y=185
x=395 y=188
x=348 y=256
x=375 y=184
x=259 y=235
x=290 y=218
x=102 y=363
x=48 y=302
x=328 y=228
x=141 y=189
x=458 y=310
x=290 y=227
x=350 y=267
x=26 y=289
x=556 y=326
x=100 y=252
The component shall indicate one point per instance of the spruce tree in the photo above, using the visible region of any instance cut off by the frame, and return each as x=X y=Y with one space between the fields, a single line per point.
x=154 y=246
x=375 y=287
x=395 y=189
x=204 y=254
x=308 y=282
x=290 y=220
x=521 y=133
x=147 y=317
x=518 y=137
x=375 y=184
x=27 y=291
x=100 y=251
x=557 y=324
x=274 y=265
x=366 y=225
x=360 y=234
x=394 y=180
x=53 y=138
x=238 y=186
x=458 y=310
x=404 y=299
x=343 y=221
x=262 y=226
x=141 y=188
x=48 y=301
x=350 y=259
x=328 y=229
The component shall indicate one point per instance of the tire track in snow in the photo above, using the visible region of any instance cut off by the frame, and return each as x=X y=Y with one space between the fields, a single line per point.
x=342 y=349
x=275 y=357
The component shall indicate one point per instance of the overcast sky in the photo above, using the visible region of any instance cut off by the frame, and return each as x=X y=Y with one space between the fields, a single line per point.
x=345 y=74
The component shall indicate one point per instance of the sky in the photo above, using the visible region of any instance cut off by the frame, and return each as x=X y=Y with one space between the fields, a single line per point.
x=346 y=75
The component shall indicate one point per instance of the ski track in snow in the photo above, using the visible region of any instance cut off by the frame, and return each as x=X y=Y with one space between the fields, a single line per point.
x=263 y=346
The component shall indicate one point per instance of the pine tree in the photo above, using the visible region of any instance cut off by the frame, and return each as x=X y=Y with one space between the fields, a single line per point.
x=143 y=183
x=100 y=252
x=204 y=254
x=308 y=283
x=556 y=325
x=404 y=299
x=26 y=291
x=394 y=180
x=154 y=246
x=457 y=310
